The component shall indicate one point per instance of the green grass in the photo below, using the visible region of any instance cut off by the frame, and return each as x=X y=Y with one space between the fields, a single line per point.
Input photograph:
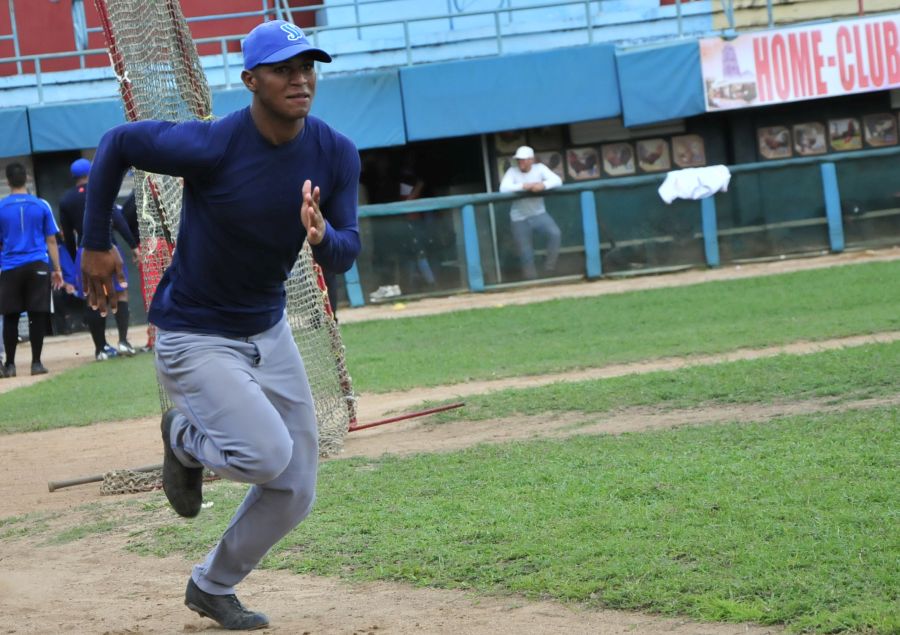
x=793 y=521
x=862 y=372
x=853 y=373
x=522 y=340
x=123 y=388
x=565 y=334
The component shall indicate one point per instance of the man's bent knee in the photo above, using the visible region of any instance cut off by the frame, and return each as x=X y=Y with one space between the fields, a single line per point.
x=263 y=463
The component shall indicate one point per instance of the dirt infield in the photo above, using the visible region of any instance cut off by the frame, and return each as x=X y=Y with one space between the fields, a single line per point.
x=94 y=586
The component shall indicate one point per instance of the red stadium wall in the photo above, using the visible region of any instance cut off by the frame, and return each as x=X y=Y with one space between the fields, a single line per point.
x=45 y=26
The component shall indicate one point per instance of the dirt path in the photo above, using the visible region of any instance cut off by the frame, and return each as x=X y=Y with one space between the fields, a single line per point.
x=97 y=587
x=94 y=586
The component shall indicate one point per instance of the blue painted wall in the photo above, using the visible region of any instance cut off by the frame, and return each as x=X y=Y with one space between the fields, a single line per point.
x=660 y=83
x=510 y=92
x=14 y=141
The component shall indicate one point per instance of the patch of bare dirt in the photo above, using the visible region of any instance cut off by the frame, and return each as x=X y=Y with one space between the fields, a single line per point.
x=97 y=587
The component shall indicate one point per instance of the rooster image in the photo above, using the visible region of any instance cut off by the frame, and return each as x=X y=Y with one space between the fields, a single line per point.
x=647 y=157
x=774 y=143
x=847 y=137
x=881 y=131
x=618 y=157
x=582 y=165
x=553 y=163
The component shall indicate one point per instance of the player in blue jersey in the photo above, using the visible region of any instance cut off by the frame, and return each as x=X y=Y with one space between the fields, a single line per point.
x=257 y=183
x=27 y=247
x=71 y=212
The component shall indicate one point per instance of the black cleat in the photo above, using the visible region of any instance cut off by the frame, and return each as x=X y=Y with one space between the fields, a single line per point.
x=9 y=370
x=38 y=368
x=227 y=610
x=183 y=485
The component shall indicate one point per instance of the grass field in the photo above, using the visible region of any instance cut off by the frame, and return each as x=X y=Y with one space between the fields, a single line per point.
x=791 y=520
x=783 y=522
x=547 y=337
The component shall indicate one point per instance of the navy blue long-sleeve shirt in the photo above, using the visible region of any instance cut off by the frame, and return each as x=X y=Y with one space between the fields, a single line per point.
x=240 y=230
x=71 y=214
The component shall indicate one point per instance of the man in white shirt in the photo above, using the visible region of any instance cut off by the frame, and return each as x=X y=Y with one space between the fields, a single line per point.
x=528 y=215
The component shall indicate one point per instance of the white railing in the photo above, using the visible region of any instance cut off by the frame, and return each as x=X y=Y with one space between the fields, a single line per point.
x=504 y=14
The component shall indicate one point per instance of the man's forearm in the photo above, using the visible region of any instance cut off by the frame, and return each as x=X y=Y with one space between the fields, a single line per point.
x=53 y=251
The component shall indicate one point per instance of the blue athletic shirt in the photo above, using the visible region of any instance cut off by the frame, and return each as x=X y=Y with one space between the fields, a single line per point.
x=25 y=223
x=240 y=230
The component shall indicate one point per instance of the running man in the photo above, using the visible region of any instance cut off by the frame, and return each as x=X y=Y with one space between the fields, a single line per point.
x=257 y=183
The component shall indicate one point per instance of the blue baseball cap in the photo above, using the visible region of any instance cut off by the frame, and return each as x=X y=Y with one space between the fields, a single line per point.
x=276 y=41
x=80 y=168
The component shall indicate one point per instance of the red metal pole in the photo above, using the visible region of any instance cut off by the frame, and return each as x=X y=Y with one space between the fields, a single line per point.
x=411 y=415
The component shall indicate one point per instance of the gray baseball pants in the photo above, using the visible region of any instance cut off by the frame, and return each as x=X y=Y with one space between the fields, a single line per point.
x=523 y=230
x=245 y=412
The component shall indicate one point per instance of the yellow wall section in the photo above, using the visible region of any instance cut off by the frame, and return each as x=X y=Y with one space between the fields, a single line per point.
x=752 y=14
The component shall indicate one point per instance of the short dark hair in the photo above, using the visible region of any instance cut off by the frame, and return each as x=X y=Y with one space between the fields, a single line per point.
x=16 y=175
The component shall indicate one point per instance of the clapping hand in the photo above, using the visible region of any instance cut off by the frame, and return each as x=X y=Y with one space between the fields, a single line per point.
x=311 y=215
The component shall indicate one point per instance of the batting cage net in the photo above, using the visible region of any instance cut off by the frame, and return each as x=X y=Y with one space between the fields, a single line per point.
x=160 y=77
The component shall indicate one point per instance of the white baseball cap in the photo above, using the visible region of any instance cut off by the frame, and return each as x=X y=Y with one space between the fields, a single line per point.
x=524 y=152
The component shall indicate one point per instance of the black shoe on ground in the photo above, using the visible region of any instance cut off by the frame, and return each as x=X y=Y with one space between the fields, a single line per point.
x=183 y=485
x=9 y=370
x=227 y=610
x=38 y=368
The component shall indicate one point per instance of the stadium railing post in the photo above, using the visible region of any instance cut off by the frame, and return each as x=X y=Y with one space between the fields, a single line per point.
x=354 y=290
x=710 y=230
x=833 y=206
x=592 y=264
x=473 y=252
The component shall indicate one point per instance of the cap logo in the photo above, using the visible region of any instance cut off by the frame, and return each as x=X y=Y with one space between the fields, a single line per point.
x=294 y=32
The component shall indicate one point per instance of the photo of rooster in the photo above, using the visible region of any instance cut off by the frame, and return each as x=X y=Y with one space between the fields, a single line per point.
x=688 y=151
x=844 y=134
x=552 y=160
x=618 y=158
x=653 y=155
x=583 y=163
x=809 y=139
x=774 y=142
x=880 y=129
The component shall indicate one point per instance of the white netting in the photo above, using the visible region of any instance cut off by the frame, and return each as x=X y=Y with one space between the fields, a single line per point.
x=160 y=77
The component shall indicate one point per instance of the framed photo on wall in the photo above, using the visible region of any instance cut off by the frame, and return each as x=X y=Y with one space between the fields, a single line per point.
x=653 y=155
x=774 y=142
x=618 y=159
x=583 y=163
x=844 y=134
x=688 y=151
x=507 y=142
x=552 y=160
x=880 y=130
x=809 y=139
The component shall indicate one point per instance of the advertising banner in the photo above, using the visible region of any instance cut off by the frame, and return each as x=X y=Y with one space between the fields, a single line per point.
x=784 y=65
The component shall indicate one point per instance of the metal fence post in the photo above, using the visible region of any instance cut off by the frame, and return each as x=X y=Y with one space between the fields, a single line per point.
x=473 y=253
x=710 y=230
x=592 y=264
x=354 y=289
x=833 y=206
